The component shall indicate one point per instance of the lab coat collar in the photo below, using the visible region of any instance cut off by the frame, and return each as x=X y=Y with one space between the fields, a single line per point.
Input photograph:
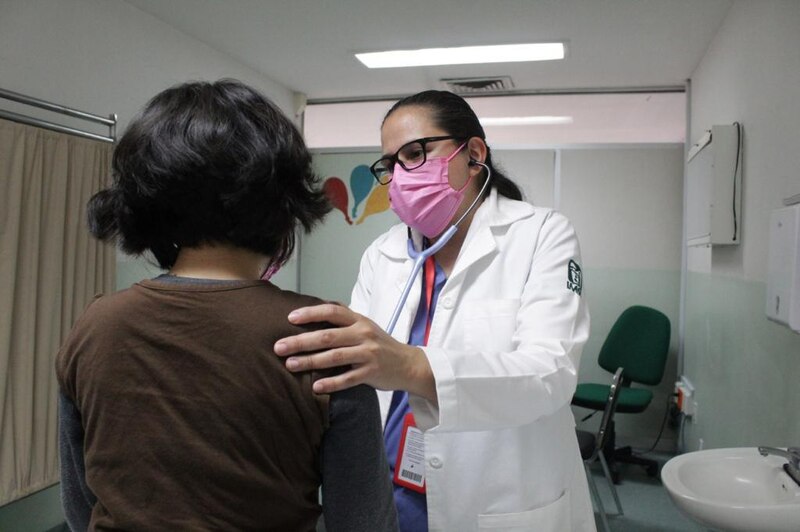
x=495 y=212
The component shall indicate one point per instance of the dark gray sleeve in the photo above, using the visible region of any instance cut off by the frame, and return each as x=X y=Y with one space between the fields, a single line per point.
x=76 y=497
x=356 y=489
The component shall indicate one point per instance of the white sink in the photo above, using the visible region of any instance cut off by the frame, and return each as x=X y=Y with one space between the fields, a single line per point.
x=734 y=489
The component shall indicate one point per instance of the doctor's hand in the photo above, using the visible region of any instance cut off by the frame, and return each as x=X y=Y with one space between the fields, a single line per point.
x=374 y=357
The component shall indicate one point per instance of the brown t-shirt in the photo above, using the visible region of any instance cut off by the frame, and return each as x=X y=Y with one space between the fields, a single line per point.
x=190 y=420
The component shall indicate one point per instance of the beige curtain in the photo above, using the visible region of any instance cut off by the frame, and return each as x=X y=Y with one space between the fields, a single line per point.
x=50 y=268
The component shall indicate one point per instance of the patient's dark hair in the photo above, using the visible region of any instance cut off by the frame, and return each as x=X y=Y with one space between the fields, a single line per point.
x=208 y=163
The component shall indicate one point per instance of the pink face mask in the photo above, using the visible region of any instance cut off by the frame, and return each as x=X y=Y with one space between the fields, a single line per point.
x=423 y=197
x=272 y=269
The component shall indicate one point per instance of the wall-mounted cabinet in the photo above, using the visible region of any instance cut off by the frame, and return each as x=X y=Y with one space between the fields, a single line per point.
x=714 y=188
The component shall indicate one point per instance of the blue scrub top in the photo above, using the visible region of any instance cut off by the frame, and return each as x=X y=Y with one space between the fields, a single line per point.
x=412 y=507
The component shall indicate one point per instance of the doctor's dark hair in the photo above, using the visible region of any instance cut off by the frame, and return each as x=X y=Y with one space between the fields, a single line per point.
x=452 y=114
x=208 y=163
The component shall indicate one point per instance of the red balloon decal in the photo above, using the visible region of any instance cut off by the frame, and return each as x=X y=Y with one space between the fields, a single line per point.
x=336 y=191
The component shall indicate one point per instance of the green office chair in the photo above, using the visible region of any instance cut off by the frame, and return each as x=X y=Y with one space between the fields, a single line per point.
x=638 y=342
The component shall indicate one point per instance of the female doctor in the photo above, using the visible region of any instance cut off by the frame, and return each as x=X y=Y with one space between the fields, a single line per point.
x=484 y=357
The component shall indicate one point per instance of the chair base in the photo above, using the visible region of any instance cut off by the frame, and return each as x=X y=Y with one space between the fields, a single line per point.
x=614 y=456
x=625 y=455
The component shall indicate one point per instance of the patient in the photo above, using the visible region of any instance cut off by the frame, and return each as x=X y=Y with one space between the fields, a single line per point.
x=174 y=413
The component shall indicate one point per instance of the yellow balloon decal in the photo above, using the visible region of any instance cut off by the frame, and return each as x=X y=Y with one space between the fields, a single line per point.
x=378 y=201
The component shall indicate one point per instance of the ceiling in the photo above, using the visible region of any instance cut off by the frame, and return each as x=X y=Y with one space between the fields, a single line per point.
x=308 y=45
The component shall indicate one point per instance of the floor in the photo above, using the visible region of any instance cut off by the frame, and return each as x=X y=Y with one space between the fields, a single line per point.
x=645 y=503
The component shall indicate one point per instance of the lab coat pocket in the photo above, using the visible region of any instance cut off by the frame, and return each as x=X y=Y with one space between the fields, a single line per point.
x=553 y=517
x=489 y=324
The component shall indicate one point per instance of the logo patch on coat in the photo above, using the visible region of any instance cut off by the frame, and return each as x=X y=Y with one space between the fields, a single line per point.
x=574 y=277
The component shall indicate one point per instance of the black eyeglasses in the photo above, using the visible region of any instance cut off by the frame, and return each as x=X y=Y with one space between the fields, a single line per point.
x=411 y=155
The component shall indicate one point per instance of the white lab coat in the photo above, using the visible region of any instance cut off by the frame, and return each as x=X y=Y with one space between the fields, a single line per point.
x=504 y=346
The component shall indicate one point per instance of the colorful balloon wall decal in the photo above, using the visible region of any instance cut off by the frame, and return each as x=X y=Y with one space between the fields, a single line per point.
x=365 y=191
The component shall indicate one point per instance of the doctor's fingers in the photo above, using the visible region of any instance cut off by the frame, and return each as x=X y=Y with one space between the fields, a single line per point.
x=327 y=312
x=332 y=358
x=311 y=341
x=343 y=381
x=362 y=332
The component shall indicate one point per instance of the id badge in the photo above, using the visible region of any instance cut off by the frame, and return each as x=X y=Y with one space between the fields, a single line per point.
x=409 y=469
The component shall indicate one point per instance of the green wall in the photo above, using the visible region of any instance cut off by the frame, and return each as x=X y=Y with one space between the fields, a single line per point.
x=38 y=512
x=745 y=367
x=131 y=270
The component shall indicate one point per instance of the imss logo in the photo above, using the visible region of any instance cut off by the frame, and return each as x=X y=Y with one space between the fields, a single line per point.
x=574 y=277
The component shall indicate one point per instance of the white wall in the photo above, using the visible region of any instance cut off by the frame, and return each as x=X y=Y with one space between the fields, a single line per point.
x=105 y=56
x=746 y=368
x=751 y=74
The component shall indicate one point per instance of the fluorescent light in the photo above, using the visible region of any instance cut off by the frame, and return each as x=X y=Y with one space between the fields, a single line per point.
x=463 y=55
x=526 y=120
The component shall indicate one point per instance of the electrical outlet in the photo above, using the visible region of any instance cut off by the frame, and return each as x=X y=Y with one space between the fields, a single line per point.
x=685 y=396
x=700 y=444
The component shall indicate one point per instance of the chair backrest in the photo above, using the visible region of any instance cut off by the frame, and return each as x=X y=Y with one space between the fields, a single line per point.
x=608 y=412
x=638 y=342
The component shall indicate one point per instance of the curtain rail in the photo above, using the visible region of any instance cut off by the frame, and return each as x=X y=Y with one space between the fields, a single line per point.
x=110 y=121
x=22 y=119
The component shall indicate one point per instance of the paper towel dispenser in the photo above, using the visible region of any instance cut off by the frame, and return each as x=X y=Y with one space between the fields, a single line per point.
x=783 y=277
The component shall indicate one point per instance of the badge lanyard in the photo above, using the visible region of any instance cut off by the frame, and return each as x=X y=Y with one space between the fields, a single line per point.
x=430 y=280
x=409 y=469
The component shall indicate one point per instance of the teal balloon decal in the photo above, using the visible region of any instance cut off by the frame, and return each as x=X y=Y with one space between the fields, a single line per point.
x=361 y=184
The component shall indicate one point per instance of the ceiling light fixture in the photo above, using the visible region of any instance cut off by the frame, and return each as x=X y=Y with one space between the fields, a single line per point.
x=463 y=55
x=526 y=120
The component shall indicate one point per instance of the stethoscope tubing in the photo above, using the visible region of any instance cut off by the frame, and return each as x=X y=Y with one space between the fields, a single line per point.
x=421 y=256
x=419 y=260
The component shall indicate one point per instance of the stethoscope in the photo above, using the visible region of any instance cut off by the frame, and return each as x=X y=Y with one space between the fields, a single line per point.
x=421 y=256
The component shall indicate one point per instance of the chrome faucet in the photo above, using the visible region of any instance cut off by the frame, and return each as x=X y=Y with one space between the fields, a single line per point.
x=792 y=455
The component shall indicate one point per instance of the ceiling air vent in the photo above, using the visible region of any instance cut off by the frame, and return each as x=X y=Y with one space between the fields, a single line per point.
x=479 y=85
